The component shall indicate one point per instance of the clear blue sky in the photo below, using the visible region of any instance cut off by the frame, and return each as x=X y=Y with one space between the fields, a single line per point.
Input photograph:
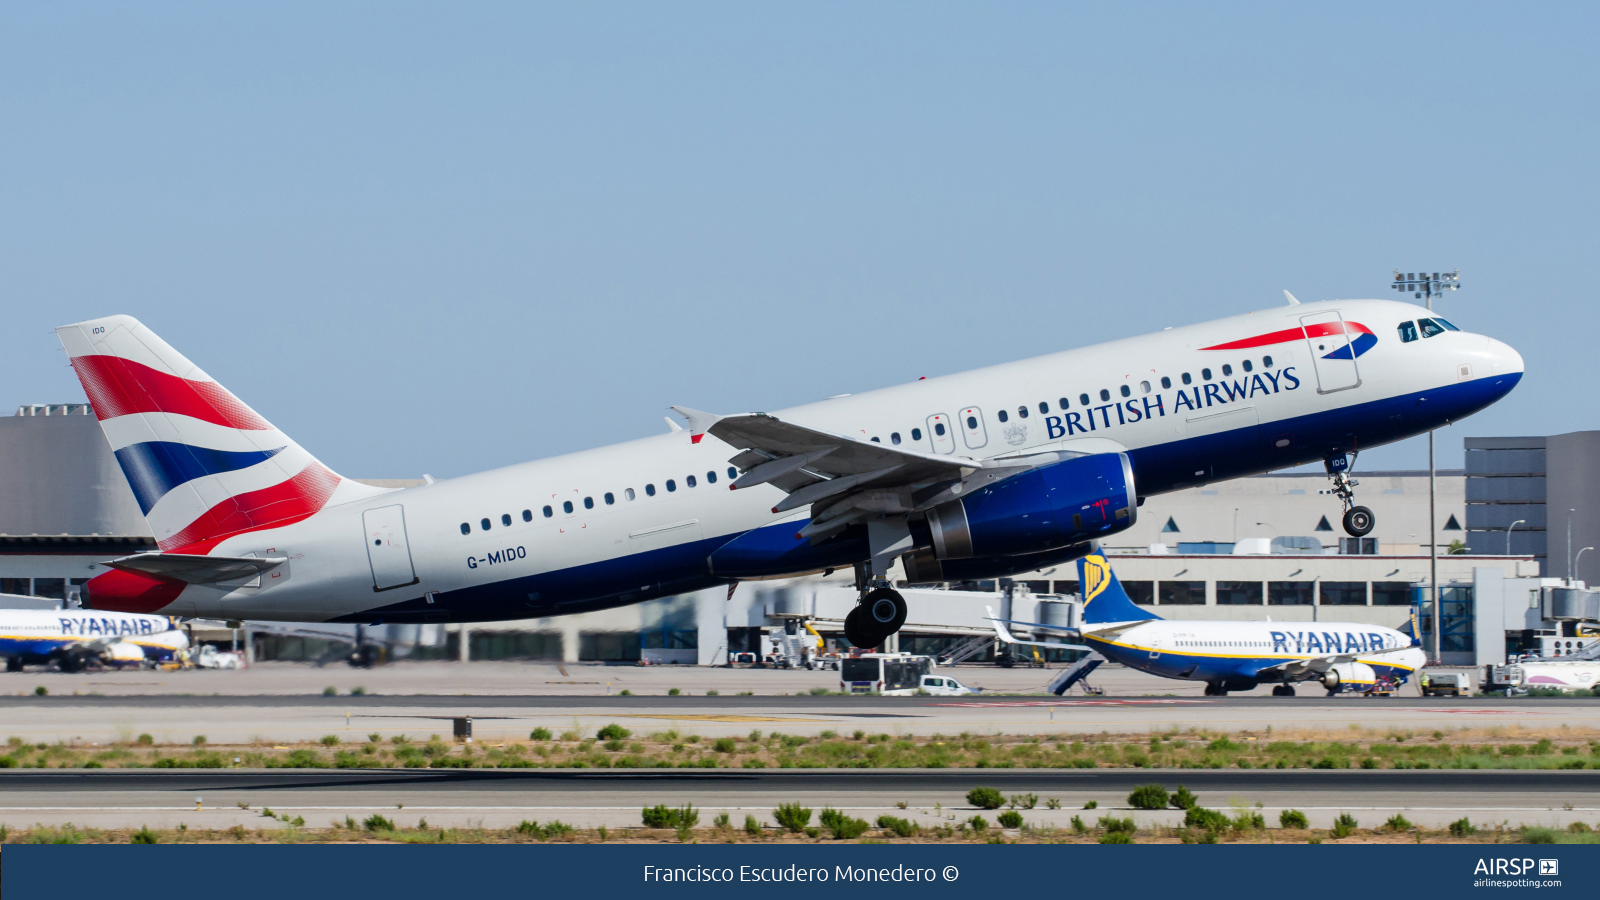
x=446 y=237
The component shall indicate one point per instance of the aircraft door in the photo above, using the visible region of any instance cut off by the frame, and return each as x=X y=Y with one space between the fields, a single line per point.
x=972 y=427
x=387 y=549
x=939 y=432
x=1331 y=353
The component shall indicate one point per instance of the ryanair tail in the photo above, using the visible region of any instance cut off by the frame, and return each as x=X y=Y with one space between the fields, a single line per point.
x=1104 y=600
x=1411 y=628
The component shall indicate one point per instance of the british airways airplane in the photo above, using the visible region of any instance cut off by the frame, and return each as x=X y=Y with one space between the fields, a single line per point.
x=1230 y=656
x=979 y=474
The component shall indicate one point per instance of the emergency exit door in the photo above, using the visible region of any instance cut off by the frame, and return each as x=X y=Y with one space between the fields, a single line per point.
x=387 y=549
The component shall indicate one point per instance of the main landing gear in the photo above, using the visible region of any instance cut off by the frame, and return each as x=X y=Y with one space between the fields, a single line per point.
x=1283 y=690
x=880 y=613
x=1358 y=520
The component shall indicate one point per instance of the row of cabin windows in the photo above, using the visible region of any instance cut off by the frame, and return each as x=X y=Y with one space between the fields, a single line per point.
x=1085 y=401
x=1127 y=390
x=610 y=499
x=1429 y=328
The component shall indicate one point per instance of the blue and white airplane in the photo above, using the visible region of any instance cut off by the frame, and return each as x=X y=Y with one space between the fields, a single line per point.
x=979 y=474
x=73 y=639
x=1231 y=656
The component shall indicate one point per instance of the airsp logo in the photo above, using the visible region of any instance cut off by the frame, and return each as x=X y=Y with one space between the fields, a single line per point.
x=1549 y=867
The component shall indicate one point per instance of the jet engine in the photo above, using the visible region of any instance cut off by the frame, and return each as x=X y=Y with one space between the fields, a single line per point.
x=923 y=567
x=1070 y=502
x=1350 y=676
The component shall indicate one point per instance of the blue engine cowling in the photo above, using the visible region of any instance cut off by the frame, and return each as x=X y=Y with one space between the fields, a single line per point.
x=1069 y=502
x=922 y=567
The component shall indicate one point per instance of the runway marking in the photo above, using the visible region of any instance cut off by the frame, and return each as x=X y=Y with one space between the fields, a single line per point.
x=634 y=807
x=714 y=718
x=1162 y=702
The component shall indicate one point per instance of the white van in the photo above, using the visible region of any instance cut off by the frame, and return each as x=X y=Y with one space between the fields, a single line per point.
x=945 y=686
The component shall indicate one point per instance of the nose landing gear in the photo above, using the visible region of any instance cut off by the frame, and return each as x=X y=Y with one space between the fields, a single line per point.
x=1358 y=520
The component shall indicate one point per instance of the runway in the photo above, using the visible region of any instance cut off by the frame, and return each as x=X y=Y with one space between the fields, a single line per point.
x=501 y=798
x=176 y=718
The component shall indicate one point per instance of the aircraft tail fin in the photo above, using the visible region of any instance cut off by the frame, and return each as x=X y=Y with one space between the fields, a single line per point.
x=203 y=466
x=1104 y=599
x=1412 y=628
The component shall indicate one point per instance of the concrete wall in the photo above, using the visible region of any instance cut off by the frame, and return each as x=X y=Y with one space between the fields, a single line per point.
x=58 y=476
x=1573 y=483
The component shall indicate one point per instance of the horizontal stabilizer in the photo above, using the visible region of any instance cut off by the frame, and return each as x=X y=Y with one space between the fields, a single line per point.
x=1006 y=637
x=189 y=568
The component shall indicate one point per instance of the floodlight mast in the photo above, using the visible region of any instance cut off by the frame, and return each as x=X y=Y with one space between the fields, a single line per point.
x=1420 y=285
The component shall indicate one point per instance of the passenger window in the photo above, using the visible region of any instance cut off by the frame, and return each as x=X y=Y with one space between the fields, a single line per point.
x=1144 y=387
x=1187 y=379
x=1062 y=403
x=1247 y=366
x=1083 y=399
x=465 y=528
x=628 y=493
x=1408 y=332
x=1105 y=394
x=1043 y=407
x=689 y=481
x=1022 y=411
x=711 y=477
x=1266 y=362
x=1227 y=369
x=1445 y=323
x=588 y=503
x=505 y=519
x=650 y=490
x=874 y=440
x=916 y=434
x=938 y=429
x=972 y=422
x=527 y=515
x=671 y=485
x=548 y=512
x=894 y=438
x=1126 y=391
x=566 y=506
x=1165 y=382
x=1429 y=327
x=611 y=499
x=484 y=524
x=1205 y=374
x=1004 y=416
x=734 y=473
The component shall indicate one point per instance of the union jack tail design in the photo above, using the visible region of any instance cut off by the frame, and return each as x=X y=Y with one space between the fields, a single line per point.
x=202 y=464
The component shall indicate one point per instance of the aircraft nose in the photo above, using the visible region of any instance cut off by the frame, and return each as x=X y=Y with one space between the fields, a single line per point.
x=1504 y=357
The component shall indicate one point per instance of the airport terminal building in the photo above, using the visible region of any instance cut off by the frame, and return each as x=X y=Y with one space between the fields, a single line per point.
x=1510 y=527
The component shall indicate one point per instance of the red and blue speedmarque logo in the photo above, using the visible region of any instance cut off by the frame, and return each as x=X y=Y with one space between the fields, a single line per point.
x=1361 y=339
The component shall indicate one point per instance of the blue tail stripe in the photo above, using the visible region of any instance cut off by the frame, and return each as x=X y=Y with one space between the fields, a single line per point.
x=156 y=467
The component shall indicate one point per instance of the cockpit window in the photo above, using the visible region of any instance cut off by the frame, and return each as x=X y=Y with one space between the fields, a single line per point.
x=1445 y=324
x=1430 y=327
x=1408 y=332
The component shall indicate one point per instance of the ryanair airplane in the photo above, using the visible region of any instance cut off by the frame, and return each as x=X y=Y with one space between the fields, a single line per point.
x=979 y=474
x=1231 y=656
x=75 y=639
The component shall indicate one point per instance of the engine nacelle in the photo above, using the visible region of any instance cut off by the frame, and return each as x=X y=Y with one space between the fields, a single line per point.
x=922 y=567
x=1069 y=502
x=1350 y=676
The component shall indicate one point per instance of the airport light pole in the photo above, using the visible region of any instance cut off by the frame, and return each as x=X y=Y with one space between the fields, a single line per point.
x=1569 y=545
x=1578 y=557
x=1508 y=534
x=1420 y=285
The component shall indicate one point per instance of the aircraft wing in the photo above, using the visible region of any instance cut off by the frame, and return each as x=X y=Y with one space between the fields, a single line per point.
x=192 y=568
x=832 y=472
x=1295 y=668
x=1006 y=637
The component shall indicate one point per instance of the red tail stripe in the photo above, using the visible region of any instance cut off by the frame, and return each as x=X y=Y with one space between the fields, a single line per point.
x=1322 y=329
x=119 y=387
x=273 y=507
x=119 y=591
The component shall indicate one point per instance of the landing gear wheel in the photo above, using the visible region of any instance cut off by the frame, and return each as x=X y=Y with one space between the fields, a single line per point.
x=858 y=629
x=1359 y=521
x=1283 y=690
x=886 y=610
x=1215 y=690
x=13 y=664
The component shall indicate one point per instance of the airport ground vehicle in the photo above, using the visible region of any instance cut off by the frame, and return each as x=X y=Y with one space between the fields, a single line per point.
x=892 y=674
x=945 y=686
x=1440 y=683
